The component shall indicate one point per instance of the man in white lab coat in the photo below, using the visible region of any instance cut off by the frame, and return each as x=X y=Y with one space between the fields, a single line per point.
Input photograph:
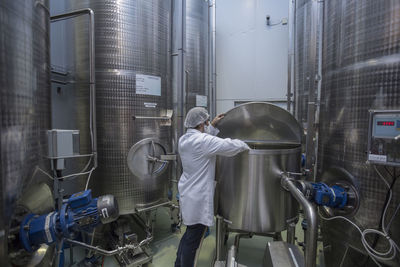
x=198 y=149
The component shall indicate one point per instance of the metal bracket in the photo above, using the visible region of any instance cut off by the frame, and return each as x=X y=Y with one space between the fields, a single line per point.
x=166 y=117
x=170 y=157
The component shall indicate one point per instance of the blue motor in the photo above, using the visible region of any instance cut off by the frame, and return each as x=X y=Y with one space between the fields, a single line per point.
x=79 y=212
x=320 y=193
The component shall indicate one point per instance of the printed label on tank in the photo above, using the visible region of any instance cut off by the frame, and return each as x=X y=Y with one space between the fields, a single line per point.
x=150 y=105
x=201 y=101
x=380 y=158
x=148 y=85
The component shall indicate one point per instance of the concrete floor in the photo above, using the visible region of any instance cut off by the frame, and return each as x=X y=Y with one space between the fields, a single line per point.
x=165 y=245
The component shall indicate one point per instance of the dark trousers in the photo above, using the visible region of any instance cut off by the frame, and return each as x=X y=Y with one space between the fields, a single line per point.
x=189 y=244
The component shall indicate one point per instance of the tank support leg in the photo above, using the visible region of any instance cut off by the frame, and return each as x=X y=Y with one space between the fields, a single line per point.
x=219 y=236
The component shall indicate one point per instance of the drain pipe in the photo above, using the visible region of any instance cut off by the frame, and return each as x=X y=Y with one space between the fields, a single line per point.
x=212 y=63
x=290 y=80
x=311 y=216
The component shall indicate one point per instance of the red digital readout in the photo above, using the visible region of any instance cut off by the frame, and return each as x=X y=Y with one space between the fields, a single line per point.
x=385 y=123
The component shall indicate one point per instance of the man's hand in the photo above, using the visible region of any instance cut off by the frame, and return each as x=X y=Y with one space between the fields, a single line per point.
x=217 y=119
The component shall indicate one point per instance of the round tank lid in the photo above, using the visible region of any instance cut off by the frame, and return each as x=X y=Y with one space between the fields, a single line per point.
x=260 y=123
x=144 y=159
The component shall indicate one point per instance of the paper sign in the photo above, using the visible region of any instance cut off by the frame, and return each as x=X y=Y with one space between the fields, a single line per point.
x=148 y=85
x=201 y=101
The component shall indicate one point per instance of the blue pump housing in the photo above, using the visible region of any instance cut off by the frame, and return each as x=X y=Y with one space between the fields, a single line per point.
x=334 y=196
x=78 y=213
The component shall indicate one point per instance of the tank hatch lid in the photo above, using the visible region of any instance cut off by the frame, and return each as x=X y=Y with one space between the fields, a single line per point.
x=145 y=159
x=260 y=123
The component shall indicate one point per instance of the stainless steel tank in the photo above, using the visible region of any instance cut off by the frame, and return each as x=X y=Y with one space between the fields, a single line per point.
x=132 y=43
x=25 y=103
x=196 y=56
x=361 y=70
x=249 y=192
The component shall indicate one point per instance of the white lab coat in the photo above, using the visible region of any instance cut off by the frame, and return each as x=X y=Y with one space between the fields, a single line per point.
x=198 y=153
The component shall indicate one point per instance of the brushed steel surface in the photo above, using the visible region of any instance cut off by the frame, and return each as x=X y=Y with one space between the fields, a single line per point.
x=196 y=56
x=131 y=37
x=24 y=102
x=249 y=192
x=263 y=122
x=361 y=68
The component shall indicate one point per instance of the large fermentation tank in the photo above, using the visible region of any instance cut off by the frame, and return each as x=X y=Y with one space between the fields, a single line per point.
x=132 y=43
x=25 y=102
x=361 y=70
x=196 y=59
x=249 y=188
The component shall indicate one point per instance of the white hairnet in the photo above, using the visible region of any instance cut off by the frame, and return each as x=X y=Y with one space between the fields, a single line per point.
x=196 y=116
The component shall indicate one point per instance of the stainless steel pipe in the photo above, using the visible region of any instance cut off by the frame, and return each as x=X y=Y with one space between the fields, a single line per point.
x=118 y=250
x=212 y=63
x=92 y=76
x=219 y=238
x=231 y=260
x=311 y=216
x=291 y=231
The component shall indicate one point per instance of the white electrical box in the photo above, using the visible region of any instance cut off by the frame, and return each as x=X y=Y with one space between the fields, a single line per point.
x=384 y=137
x=63 y=143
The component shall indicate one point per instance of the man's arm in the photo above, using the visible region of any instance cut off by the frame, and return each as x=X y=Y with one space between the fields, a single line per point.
x=224 y=147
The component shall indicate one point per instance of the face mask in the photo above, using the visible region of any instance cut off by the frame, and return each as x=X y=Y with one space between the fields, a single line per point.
x=207 y=129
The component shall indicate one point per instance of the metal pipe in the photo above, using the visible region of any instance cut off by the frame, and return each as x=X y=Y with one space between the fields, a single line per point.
x=118 y=250
x=183 y=63
x=151 y=118
x=291 y=232
x=219 y=236
x=212 y=56
x=168 y=203
x=231 y=260
x=312 y=223
x=239 y=236
x=312 y=88
x=292 y=5
x=92 y=74
x=319 y=82
x=294 y=108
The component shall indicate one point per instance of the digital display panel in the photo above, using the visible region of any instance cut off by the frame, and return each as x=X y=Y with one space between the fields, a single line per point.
x=385 y=123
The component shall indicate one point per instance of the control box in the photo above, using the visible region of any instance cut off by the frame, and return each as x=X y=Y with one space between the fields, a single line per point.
x=63 y=143
x=384 y=137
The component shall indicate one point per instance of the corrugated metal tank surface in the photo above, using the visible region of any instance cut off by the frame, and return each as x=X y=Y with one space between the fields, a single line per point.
x=361 y=71
x=25 y=101
x=196 y=60
x=131 y=38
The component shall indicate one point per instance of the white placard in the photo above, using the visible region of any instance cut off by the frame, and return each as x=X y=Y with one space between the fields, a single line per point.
x=150 y=105
x=201 y=101
x=380 y=158
x=148 y=85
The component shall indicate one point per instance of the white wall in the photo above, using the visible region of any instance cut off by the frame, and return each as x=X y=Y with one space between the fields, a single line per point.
x=251 y=56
